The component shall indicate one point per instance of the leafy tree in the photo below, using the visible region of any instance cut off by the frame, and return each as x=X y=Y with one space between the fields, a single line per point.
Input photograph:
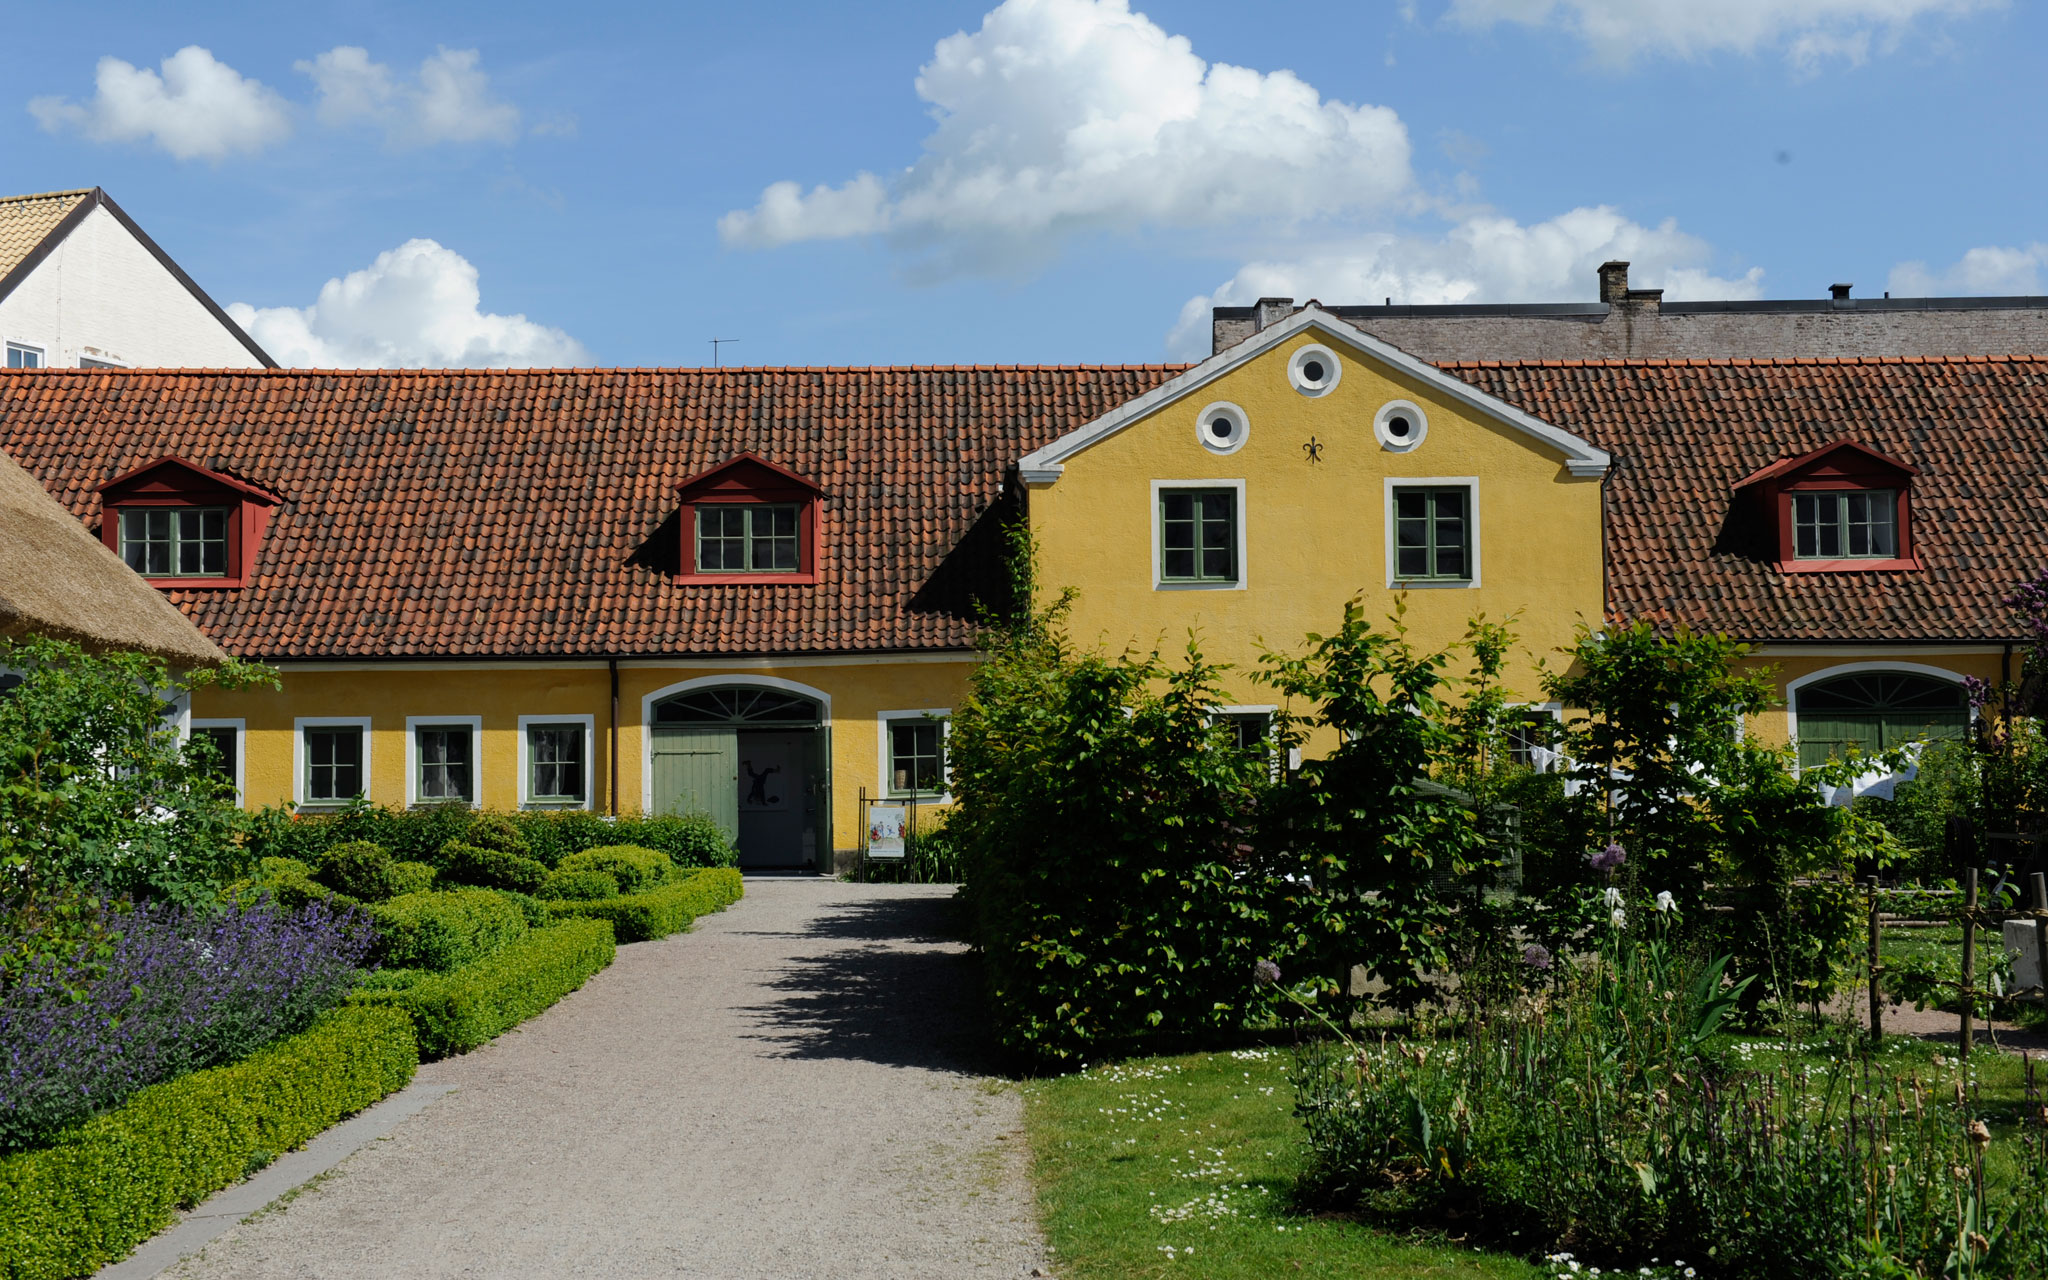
x=98 y=795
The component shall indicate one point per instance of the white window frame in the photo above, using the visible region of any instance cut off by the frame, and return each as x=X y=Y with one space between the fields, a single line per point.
x=1158 y=535
x=413 y=724
x=883 y=721
x=42 y=353
x=1555 y=710
x=1469 y=483
x=241 y=730
x=589 y=727
x=1270 y=710
x=299 y=726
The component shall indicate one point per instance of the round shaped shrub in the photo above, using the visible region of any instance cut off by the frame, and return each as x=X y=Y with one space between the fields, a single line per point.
x=360 y=870
x=580 y=886
x=498 y=833
x=413 y=877
x=490 y=868
x=637 y=870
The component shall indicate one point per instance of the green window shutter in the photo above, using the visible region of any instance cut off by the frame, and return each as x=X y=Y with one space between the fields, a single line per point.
x=698 y=769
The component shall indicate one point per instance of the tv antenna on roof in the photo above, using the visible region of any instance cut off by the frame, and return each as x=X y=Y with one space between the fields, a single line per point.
x=715 y=344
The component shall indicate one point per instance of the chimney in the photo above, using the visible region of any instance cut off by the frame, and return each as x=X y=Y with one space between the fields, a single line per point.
x=1271 y=311
x=1840 y=292
x=1613 y=282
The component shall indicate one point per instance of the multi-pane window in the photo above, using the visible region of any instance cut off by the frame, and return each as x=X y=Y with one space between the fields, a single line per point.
x=222 y=738
x=1198 y=535
x=1845 y=525
x=1531 y=734
x=1248 y=729
x=24 y=357
x=1433 y=534
x=554 y=763
x=752 y=537
x=444 y=754
x=334 y=764
x=917 y=757
x=175 y=542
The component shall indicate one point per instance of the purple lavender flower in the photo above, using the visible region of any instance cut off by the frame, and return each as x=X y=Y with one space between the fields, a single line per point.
x=1266 y=973
x=180 y=990
x=1536 y=956
x=1608 y=859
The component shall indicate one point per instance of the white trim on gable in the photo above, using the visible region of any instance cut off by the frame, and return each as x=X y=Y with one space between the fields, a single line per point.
x=1044 y=466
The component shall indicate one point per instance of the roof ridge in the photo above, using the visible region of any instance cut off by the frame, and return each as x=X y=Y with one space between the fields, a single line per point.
x=365 y=371
x=1683 y=362
x=49 y=195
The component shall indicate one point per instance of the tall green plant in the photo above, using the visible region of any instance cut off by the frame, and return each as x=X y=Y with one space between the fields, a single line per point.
x=1370 y=841
x=97 y=791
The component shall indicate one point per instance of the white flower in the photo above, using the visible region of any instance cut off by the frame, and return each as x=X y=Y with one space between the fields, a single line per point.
x=1665 y=902
x=1612 y=897
x=1620 y=918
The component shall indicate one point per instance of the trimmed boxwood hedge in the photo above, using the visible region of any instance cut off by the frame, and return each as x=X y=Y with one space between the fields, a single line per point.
x=445 y=929
x=636 y=869
x=455 y=1012
x=111 y=1182
x=657 y=913
x=417 y=835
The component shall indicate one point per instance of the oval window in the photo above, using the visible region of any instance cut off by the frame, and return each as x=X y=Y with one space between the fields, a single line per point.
x=1313 y=370
x=1222 y=427
x=1400 y=426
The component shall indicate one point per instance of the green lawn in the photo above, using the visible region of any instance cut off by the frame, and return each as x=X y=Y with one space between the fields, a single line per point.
x=1183 y=1166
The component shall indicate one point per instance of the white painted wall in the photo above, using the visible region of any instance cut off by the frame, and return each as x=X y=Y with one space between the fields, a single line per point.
x=101 y=294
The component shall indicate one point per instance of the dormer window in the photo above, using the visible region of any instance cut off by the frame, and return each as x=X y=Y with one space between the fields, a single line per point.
x=163 y=542
x=182 y=525
x=749 y=520
x=1853 y=525
x=1842 y=508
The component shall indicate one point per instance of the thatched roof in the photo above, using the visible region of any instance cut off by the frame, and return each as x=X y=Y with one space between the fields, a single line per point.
x=57 y=580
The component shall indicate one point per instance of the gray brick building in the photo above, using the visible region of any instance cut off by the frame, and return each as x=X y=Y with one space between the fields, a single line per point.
x=1638 y=322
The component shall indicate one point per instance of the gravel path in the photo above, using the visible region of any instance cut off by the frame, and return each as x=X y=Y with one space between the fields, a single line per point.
x=792 y=1089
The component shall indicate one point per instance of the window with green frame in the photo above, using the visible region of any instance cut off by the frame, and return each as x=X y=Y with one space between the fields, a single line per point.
x=749 y=537
x=1853 y=524
x=1433 y=534
x=334 y=764
x=554 y=764
x=1198 y=535
x=175 y=542
x=917 y=757
x=444 y=753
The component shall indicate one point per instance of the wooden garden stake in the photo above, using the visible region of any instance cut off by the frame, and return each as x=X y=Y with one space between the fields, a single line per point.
x=2039 y=887
x=1969 y=956
x=1876 y=995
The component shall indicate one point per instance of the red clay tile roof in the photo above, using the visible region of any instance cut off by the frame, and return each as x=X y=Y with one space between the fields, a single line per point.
x=532 y=513
x=1684 y=432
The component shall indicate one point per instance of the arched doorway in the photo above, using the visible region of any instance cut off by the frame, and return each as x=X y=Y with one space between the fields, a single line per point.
x=751 y=756
x=1872 y=711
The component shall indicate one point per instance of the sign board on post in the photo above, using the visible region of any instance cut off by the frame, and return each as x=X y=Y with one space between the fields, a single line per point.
x=887 y=826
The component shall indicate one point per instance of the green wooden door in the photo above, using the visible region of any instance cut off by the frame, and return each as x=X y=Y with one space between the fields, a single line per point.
x=697 y=769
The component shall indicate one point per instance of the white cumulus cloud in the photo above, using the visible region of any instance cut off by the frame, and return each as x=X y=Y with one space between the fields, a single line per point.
x=415 y=307
x=448 y=101
x=1808 y=31
x=1991 y=269
x=1484 y=258
x=198 y=108
x=1060 y=117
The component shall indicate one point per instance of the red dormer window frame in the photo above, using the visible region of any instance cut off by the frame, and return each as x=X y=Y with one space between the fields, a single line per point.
x=1842 y=466
x=747 y=479
x=173 y=482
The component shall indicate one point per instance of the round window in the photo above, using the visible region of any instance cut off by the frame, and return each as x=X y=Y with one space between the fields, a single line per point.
x=1313 y=370
x=1222 y=427
x=1399 y=426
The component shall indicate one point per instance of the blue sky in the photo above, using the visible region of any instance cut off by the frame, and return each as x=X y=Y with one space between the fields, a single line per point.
x=1047 y=180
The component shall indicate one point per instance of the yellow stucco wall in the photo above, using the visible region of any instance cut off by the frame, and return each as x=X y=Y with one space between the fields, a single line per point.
x=1774 y=725
x=1316 y=533
x=387 y=694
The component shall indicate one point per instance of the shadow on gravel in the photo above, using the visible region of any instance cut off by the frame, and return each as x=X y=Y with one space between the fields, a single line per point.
x=887 y=997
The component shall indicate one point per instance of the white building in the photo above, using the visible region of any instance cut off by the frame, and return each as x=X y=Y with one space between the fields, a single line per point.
x=81 y=286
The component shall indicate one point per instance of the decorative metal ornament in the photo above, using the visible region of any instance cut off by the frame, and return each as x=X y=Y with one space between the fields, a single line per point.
x=1314 y=450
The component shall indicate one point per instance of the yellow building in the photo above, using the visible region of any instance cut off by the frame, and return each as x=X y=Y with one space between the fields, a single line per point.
x=755 y=592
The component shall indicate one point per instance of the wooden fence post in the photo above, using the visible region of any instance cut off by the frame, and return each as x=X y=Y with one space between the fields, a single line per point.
x=1969 y=958
x=2039 y=895
x=1876 y=994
